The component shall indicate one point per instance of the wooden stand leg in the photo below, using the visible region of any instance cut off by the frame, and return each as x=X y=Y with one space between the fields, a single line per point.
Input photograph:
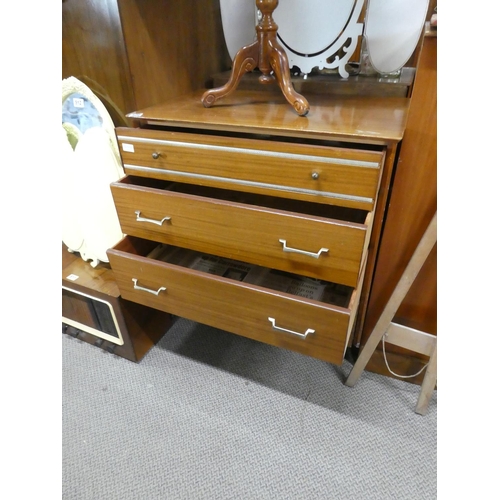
x=279 y=63
x=245 y=60
x=267 y=54
x=428 y=384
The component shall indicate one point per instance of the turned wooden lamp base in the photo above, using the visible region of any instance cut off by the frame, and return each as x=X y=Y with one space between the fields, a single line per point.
x=268 y=55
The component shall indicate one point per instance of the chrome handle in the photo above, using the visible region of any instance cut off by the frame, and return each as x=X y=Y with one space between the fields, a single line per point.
x=153 y=221
x=156 y=155
x=303 y=252
x=137 y=287
x=279 y=329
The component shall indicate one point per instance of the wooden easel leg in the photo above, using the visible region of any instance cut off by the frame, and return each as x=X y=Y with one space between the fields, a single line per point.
x=245 y=60
x=410 y=273
x=279 y=62
x=366 y=353
x=428 y=384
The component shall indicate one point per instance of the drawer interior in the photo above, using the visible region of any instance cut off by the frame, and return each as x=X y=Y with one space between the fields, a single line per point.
x=352 y=215
x=231 y=269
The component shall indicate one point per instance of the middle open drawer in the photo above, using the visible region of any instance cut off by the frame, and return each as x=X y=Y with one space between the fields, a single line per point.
x=310 y=239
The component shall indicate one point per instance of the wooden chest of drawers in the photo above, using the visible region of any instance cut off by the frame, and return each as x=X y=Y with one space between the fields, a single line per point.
x=250 y=219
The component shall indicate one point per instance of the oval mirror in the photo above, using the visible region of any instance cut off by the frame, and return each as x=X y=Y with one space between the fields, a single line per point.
x=238 y=23
x=310 y=28
x=392 y=31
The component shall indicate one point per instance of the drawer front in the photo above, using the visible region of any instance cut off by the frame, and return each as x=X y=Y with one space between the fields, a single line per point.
x=333 y=175
x=312 y=246
x=278 y=319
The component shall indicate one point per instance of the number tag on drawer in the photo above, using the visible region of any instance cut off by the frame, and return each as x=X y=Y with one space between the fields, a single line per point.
x=128 y=148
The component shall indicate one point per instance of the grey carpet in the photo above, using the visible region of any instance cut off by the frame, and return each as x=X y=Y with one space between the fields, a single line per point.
x=210 y=415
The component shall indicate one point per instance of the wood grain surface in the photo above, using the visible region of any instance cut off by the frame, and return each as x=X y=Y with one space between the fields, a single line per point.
x=244 y=232
x=369 y=120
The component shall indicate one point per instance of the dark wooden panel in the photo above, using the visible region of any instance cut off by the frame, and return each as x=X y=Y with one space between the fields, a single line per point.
x=93 y=46
x=419 y=309
x=173 y=47
x=412 y=205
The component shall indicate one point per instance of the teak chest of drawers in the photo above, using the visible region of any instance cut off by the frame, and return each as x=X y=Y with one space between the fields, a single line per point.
x=253 y=220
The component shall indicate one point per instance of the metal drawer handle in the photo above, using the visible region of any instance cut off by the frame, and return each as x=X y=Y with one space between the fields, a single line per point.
x=303 y=252
x=279 y=329
x=137 y=287
x=153 y=221
x=156 y=155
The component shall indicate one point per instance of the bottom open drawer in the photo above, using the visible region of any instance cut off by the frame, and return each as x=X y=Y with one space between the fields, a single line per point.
x=301 y=314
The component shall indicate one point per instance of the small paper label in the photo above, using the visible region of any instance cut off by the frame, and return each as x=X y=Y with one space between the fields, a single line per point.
x=78 y=102
x=128 y=148
x=134 y=114
x=72 y=277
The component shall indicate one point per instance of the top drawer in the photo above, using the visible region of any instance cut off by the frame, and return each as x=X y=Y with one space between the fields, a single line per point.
x=323 y=174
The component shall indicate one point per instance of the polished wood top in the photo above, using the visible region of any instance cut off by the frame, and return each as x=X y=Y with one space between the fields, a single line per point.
x=372 y=120
x=99 y=279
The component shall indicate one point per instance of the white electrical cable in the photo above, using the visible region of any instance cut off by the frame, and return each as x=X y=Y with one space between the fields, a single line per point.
x=395 y=374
